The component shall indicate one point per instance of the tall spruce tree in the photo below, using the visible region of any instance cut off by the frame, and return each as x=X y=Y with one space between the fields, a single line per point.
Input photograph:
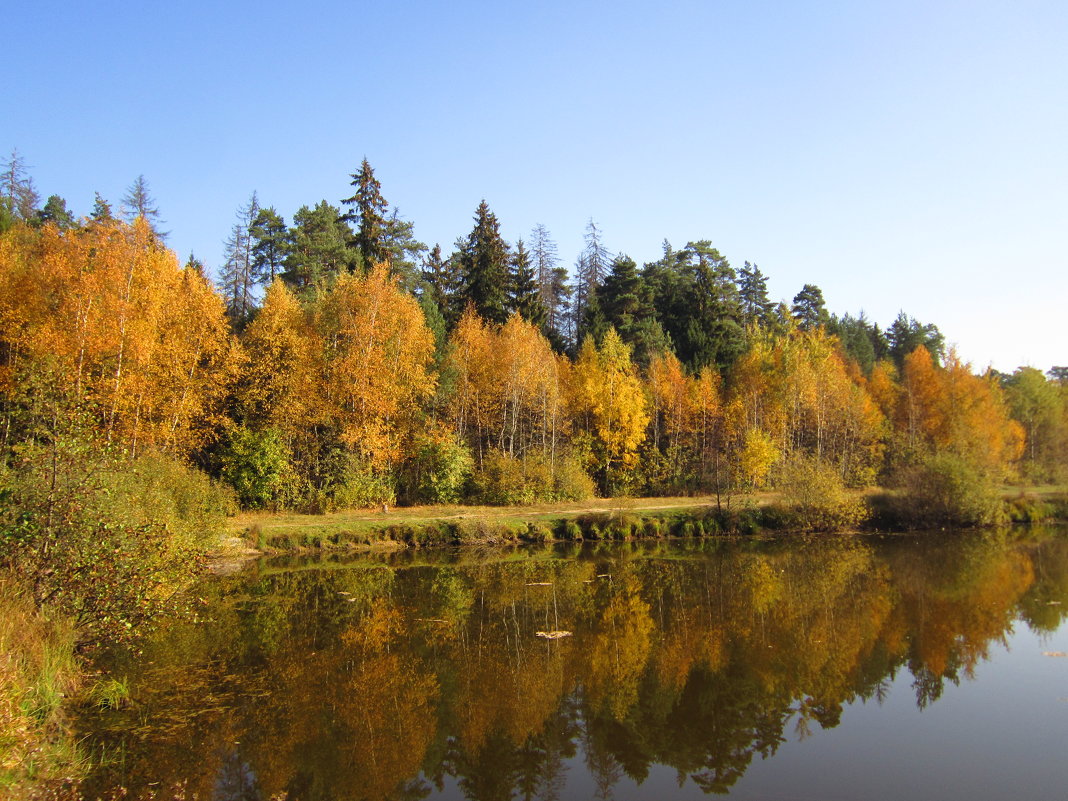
x=523 y=292
x=369 y=211
x=483 y=259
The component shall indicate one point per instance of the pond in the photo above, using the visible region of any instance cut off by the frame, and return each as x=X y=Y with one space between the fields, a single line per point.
x=891 y=667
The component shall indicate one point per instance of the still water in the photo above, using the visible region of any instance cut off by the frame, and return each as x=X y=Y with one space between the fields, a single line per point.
x=854 y=668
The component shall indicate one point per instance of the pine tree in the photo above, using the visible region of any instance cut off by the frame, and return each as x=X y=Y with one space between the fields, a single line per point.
x=753 y=295
x=55 y=212
x=269 y=246
x=523 y=294
x=101 y=209
x=809 y=309
x=906 y=334
x=237 y=275
x=318 y=246
x=484 y=267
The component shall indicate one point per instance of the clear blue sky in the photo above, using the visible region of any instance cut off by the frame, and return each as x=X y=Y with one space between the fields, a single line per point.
x=901 y=155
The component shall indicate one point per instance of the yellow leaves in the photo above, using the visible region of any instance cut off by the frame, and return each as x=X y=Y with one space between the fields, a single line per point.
x=376 y=352
x=755 y=458
x=128 y=330
x=507 y=385
x=607 y=399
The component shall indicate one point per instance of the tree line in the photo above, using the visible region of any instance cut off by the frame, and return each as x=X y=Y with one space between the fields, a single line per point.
x=337 y=361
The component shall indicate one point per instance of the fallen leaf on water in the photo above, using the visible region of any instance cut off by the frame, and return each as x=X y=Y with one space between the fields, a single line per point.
x=552 y=635
x=1054 y=653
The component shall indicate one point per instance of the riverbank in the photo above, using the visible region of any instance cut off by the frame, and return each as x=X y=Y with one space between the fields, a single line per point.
x=604 y=518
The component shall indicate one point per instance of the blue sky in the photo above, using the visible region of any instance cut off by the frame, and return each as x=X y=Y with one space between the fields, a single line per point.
x=901 y=155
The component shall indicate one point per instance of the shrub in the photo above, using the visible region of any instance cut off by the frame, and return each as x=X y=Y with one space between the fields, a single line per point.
x=438 y=471
x=506 y=480
x=257 y=465
x=946 y=489
x=814 y=494
x=105 y=541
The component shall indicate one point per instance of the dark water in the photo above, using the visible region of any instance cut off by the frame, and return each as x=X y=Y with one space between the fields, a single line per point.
x=900 y=667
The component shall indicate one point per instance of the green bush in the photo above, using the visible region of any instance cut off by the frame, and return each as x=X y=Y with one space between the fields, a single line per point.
x=106 y=541
x=814 y=494
x=505 y=480
x=257 y=465
x=438 y=471
x=361 y=488
x=946 y=489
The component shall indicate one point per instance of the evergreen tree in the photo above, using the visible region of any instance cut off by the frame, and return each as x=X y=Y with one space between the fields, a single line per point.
x=696 y=300
x=483 y=261
x=523 y=292
x=195 y=265
x=270 y=246
x=627 y=306
x=138 y=203
x=906 y=334
x=368 y=209
x=403 y=251
x=55 y=212
x=753 y=295
x=809 y=309
x=859 y=339
x=556 y=328
x=237 y=275
x=441 y=284
x=591 y=267
x=101 y=209
x=318 y=246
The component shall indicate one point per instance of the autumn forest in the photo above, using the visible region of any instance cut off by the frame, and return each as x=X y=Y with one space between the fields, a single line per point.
x=338 y=362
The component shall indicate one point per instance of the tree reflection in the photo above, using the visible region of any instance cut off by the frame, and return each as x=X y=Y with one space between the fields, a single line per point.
x=370 y=681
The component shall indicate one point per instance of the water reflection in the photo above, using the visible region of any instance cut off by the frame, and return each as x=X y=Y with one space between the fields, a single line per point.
x=404 y=678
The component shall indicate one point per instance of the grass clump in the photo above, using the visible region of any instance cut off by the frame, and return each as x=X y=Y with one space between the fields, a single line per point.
x=38 y=672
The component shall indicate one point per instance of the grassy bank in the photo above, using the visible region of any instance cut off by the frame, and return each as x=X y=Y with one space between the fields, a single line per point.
x=606 y=518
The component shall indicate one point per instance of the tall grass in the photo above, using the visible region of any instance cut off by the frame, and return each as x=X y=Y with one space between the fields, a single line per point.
x=38 y=671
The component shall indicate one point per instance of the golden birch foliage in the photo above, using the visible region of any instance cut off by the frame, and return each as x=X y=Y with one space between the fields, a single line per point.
x=755 y=458
x=279 y=386
x=471 y=359
x=376 y=354
x=507 y=391
x=608 y=401
x=950 y=409
x=670 y=397
x=528 y=385
x=130 y=333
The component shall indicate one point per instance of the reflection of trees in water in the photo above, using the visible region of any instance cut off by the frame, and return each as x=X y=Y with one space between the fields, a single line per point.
x=371 y=682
